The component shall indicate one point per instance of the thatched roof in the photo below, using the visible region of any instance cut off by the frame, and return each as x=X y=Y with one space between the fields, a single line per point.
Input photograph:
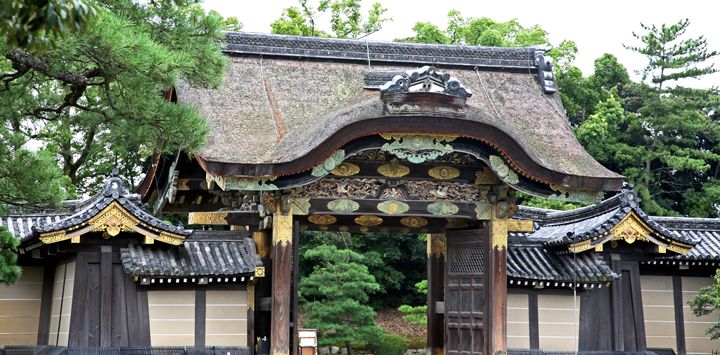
x=284 y=97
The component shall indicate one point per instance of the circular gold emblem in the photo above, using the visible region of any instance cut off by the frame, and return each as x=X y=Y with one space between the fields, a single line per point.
x=322 y=219
x=414 y=222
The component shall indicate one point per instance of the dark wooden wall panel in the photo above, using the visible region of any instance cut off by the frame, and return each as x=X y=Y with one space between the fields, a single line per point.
x=679 y=316
x=46 y=305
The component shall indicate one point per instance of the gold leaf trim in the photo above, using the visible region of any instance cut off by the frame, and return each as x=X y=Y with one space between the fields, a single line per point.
x=368 y=221
x=393 y=207
x=414 y=222
x=444 y=172
x=346 y=169
x=322 y=219
x=393 y=169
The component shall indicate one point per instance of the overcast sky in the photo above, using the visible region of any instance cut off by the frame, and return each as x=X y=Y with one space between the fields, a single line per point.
x=596 y=26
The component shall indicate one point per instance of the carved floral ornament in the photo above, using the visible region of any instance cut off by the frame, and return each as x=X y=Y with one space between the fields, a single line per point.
x=112 y=220
x=426 y=79
x=417 y=148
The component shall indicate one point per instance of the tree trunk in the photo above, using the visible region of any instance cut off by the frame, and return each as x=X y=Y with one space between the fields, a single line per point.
x=348 y=346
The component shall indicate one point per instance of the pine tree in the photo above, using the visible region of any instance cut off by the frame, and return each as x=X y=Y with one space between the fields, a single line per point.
x=9 y=271
x=336 y=295
x=680 y=137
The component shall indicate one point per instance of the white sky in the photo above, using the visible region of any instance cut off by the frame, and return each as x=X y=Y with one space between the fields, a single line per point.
x=597 y=27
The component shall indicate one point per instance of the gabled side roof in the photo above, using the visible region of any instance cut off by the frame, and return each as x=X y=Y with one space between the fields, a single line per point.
x=111 y=211
x=617 y=218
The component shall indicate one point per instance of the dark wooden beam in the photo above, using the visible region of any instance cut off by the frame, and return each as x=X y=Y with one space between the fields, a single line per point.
x=637 y=307
x=106 y=295
x=436 y=288
x=281 y=281
x=79 y=327
x=533 y=322
x=200 y=316
x=618 y=343
x=679 y=317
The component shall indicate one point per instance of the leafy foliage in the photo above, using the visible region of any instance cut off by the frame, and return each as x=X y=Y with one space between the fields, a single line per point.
x=346 y=19
x=662 y=136
x=416 y=314
x=707 y=301
x=396 y=261
x=96 y=98
x=9 y=271
x=336 y=294
x=35 y=24
x=391 y=344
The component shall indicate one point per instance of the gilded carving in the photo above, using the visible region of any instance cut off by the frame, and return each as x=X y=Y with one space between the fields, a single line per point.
x=169 y=238
x=251 y=295
x=113 y=219
x=368 y=221
x=520 y=225
x=329 y=164
x=299 y=205
x=259 y=271
x=414 y=222
x=54 y=237
x=331 y=187
x=183 y=184
x=282 y=229
x=209 y=218
x=485 y=177
x=444 y=172
x=322 y=219
x=443 y=208
x=244 y=183
x=499 y=234
x=393 y=169
x=417 y=148
x=393 y=207
x=503 y=171
x=346 y=169
x=343 y=205
x=483 y=210
x=436 y=245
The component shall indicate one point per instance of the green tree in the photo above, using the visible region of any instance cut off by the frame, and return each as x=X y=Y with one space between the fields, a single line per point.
x=9 y=271
x=706 y=302
x=680 y=134
x=35 y=24
x=346 y=19
x=397 y=261
x=336 y=294
x=96 y=98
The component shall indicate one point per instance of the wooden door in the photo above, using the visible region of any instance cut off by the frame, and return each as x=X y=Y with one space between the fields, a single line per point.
x=466 y=292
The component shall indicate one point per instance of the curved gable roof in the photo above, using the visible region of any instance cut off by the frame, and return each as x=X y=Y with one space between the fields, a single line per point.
x=113 y=210
x=287 y=103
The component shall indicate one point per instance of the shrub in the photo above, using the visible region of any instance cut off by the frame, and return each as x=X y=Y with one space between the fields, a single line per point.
x=391 y=344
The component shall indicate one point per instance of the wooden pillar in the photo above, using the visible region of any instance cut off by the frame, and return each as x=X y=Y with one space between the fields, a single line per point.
x=436 y=291
x=251 y=317
x=497 y=285
x=263 y=288
x=282 y=278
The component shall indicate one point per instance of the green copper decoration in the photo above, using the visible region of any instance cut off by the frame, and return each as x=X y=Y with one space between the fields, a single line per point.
x=343 y=205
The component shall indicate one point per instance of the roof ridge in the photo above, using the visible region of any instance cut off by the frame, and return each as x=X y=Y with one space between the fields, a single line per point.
x=238 y=42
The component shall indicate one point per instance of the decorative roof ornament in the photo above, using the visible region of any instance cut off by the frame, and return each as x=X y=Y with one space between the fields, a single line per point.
x=424 y=91
x=545 y=73
x=426 y=79
x=112 y=211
